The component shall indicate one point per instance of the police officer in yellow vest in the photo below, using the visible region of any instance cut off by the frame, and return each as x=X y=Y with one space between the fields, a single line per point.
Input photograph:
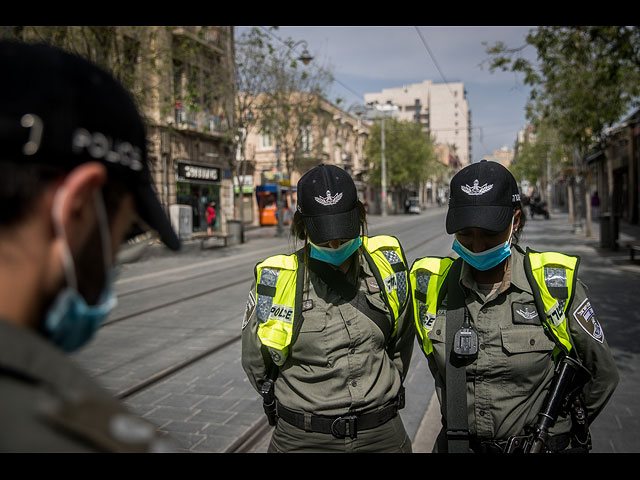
x=328 y=335
x=497 y=323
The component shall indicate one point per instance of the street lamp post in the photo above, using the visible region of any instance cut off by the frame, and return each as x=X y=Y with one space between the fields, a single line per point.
x=279 y=213
x=384 y=173
x=387 y=108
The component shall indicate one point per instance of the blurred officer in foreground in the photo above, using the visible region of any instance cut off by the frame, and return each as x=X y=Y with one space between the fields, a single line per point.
x=74 y=181
x=519 y=358
x=327 y=336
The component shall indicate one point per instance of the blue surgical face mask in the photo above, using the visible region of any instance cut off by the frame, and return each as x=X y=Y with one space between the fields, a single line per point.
x=487 y=259
x=70 y=322
x=335 y=256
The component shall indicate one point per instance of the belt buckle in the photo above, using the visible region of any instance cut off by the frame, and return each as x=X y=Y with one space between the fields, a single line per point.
x=350 y=426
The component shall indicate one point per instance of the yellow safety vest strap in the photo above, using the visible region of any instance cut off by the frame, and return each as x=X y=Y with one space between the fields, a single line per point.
x=427 y=275
x=388 y=262
x=555 y=276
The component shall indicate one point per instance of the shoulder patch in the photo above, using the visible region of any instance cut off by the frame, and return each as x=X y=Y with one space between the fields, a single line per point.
x=586 y=318
x=251 y=305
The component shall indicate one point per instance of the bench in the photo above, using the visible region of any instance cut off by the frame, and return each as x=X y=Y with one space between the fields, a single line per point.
x=213 y=240
x=633 y=247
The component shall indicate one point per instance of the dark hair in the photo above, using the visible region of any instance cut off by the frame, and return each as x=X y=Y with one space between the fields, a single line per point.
x=22 y=183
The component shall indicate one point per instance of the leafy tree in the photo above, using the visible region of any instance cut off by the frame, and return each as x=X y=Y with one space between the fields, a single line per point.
x=291 y=101
x=540 y=160
x=585 y=79
x=409 y=154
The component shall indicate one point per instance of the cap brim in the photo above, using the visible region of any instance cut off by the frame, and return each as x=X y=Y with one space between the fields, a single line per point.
x=152 y=213
x=323 y=228
x=493 y=218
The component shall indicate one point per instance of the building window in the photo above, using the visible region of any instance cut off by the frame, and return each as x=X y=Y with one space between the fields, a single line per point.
x=266 y=141
x=306 y=139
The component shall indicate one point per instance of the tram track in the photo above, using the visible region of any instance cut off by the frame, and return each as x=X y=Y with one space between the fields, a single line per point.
x=200 y=275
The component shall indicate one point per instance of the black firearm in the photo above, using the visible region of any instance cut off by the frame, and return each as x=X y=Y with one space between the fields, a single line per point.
x=569 y=378
x=269 y=401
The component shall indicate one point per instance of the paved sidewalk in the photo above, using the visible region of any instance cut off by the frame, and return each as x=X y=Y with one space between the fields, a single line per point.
x=614 y=288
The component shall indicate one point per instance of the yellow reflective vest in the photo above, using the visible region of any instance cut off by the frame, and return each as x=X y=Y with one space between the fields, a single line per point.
x=552 y=277
x=279 y=288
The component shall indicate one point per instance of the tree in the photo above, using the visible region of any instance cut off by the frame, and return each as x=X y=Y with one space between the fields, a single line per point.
x=586 y=79
x=541 y=160
x=115 y=49
x=409 y=154
x=252 y=51
x=291 y=100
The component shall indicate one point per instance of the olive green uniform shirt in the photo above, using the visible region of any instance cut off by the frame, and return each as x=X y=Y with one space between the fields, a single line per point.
x=48 y=404
x=339 y=361
x=508 y=381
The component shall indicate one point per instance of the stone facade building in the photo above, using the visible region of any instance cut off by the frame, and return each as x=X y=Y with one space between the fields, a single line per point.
x=182 y=81
x=333 y=137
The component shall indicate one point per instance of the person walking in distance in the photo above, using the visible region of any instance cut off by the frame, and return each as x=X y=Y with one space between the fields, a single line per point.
x=211 y=217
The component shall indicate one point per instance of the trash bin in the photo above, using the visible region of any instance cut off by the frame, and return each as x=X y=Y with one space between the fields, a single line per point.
x=608 y=235
x=235 y=232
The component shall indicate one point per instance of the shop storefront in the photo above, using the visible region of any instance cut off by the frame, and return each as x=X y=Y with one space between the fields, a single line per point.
x=197 y=186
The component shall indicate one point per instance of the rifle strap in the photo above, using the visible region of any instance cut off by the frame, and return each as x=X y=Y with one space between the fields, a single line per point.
x=456 y=377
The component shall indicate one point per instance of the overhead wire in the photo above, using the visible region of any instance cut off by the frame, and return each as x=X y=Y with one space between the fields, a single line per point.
x=357 y=94
x=437 y=65
x=435 y=62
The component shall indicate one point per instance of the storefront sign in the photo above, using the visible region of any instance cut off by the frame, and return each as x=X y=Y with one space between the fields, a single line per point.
x=200 y=173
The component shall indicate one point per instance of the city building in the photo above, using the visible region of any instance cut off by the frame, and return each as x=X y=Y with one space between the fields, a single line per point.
x=614 y=171
x=504 y=156
x=190 y=117
x=441 y=108
x=333 y=136
x=182 y=80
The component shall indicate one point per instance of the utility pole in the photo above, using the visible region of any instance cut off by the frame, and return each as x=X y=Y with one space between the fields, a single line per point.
x=384 y=109
x=279 y=212
x=384 y=174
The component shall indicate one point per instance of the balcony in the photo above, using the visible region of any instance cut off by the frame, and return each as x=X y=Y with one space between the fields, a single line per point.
x=201 y=122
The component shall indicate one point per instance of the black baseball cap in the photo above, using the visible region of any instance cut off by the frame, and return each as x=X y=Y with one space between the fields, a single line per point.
x=482 y=195
x=58 y=108
x=328 y=201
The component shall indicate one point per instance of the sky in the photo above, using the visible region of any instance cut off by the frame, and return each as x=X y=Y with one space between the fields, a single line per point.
x=366 y=59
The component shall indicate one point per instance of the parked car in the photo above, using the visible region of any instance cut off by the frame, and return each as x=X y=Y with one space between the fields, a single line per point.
x=414 y=205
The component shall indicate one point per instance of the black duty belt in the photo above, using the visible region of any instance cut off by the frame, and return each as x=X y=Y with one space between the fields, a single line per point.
x=340 y=426
x=556 y=443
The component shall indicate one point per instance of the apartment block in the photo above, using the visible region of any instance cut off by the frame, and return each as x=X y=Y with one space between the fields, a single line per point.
x=441 y=108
